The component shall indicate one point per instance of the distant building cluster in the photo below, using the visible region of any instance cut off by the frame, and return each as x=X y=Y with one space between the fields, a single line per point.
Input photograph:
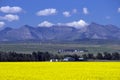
x=72 y=50
x=66 y=59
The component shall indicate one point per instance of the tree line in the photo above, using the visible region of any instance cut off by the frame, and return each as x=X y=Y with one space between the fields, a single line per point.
x=46 y=56
x=103 y=56
x=35 y=56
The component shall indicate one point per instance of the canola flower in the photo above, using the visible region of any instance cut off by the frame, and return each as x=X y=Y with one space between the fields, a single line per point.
x=60 y=71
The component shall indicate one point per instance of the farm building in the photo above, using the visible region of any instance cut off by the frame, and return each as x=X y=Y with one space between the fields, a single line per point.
x=81 y=59
x=53 y=60
x=69 y=59
x=72 y=50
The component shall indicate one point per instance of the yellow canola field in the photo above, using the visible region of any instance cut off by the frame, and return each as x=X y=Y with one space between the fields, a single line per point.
x=60 y=71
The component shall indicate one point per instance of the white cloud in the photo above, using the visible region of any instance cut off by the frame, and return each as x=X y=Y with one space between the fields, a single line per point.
x=47 y=12
x=119 y=10
x=2 y=24
x=74 y=11
x=85 y=10
x=45 y=24
x=8 y=9
x=66 y=14
x=108 y=17
x=77 y=24
x=10 y=17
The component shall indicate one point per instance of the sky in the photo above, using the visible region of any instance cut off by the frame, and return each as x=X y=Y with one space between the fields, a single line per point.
x=46 y=13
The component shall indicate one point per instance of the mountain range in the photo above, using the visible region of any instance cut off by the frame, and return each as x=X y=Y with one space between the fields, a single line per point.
x=61 y=33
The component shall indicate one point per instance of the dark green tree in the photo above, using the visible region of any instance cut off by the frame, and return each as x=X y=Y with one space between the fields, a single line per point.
x=99 y=56
x=107 y=56
x=116 y=56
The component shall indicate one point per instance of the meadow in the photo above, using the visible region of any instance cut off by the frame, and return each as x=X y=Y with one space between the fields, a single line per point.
x=60 y=71
x=53 y=48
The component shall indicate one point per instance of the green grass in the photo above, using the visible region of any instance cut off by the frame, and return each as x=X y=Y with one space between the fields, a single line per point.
x=53 y=48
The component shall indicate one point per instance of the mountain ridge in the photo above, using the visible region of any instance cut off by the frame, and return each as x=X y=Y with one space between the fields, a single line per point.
x=61 y=33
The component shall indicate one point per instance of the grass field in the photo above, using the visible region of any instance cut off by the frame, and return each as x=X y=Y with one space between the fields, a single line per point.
x=60 y=71
x=53 y=48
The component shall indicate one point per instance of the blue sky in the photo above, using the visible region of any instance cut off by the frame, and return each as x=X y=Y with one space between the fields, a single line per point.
x=15 y=13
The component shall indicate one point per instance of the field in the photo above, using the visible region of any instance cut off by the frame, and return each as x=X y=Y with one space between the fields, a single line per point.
x=60 y=71
x=53 y=48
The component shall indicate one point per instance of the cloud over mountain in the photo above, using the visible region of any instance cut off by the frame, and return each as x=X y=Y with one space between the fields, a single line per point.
x=77 y=24
x=47 y=12
x=45 y=24
x=107 y=17
x=85 y=10
x=8 y=9
x=119 y=10
x=66 y=14
x=9 y=17
x=74 y=11
x=2 y=24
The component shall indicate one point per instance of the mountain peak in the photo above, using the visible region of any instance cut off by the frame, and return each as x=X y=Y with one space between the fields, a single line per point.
x=8 y=28
x=93 y=23
x=26 y=27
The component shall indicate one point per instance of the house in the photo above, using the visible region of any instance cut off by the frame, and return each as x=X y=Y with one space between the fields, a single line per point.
x=69 y=59
x=53 y=60
x=81 y=59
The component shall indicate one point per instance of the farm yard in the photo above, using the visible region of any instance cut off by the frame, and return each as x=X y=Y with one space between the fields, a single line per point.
x=59 y=71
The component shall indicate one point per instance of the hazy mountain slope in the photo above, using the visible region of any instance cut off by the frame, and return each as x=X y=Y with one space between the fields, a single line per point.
x=61 y=33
